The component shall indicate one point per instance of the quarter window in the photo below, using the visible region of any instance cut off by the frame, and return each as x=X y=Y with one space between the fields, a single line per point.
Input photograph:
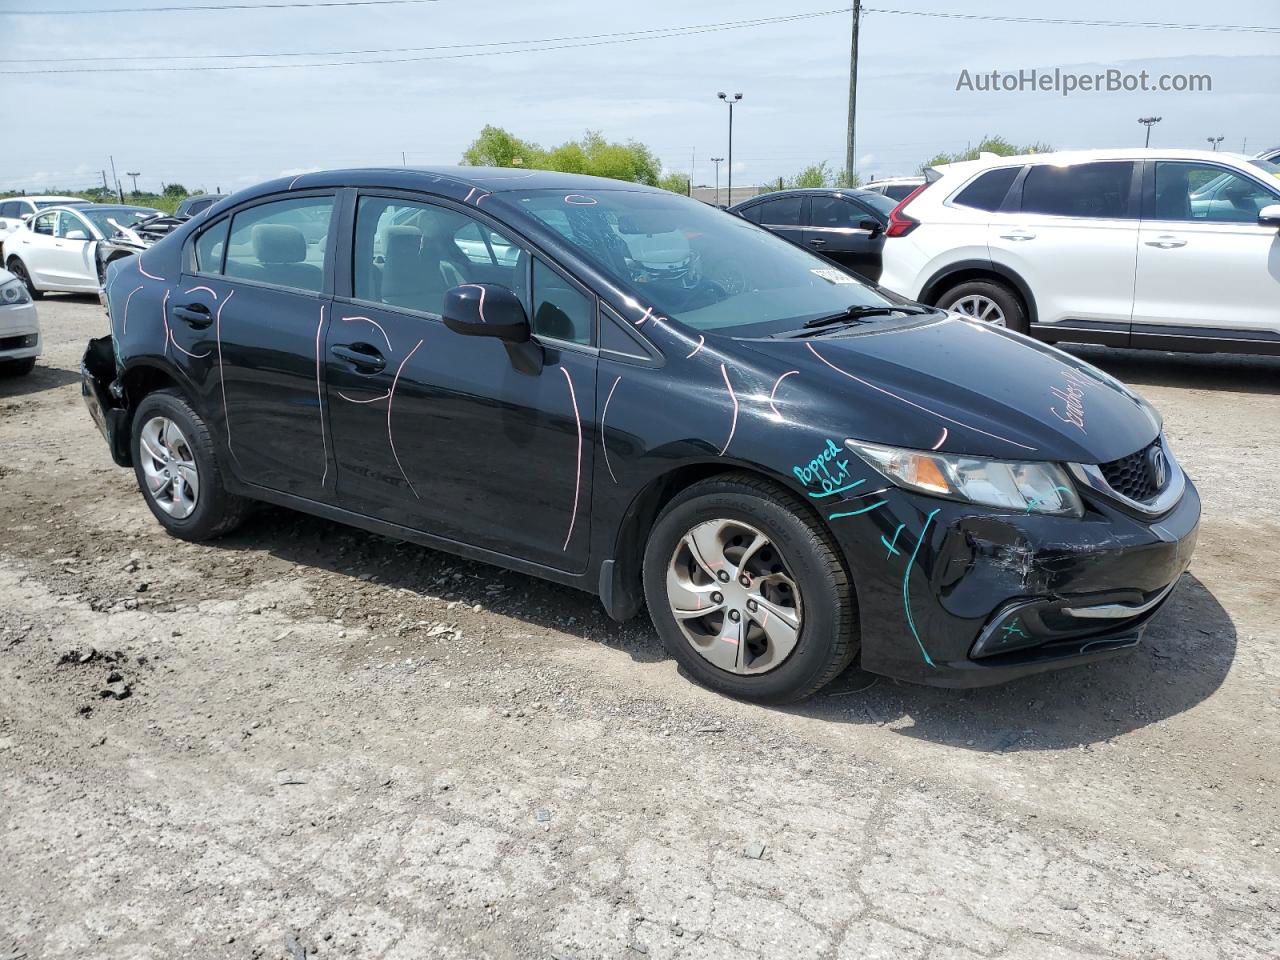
x=1208 y=193
x=560 y=310
x=10 y=210
x=210 y=246
x=408 y=254
x=1093 y=190
x=988 y=191
x=281 y=243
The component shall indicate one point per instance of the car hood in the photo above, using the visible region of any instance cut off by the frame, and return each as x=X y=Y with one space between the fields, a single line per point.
x=966 y=387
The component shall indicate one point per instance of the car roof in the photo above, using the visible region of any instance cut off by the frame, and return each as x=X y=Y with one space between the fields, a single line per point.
x=110 y=206
x=912 y=178
x=804 y=191
x=488 y=179
x=45 y=198
x=1064 y=157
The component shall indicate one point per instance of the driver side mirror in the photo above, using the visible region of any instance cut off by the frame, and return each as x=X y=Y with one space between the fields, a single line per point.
x=76 y=235
x=492 y=310
x=873 y=227
x=1269 y=216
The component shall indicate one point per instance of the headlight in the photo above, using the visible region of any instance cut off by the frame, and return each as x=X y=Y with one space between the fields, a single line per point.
x=13 y=293
x=1011 y=485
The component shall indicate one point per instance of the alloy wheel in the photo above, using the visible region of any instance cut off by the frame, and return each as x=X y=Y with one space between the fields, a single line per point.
x=733 y=597
x=979 y=308
x=169 y=467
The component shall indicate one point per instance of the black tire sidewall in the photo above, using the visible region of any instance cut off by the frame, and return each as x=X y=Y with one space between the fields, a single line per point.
x=17 y=368
x=822 y=594
x=23 y=274
x=1008 y=301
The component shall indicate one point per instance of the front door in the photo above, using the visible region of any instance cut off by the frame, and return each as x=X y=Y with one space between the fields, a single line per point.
x=1203 y=260
x=71 y=259
x=35 y=247
x=839 y=229
x=253 y=315
x=441 y=432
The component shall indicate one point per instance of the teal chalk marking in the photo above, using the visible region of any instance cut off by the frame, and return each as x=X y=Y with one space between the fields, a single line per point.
x=1039 y=500
x=1013 y=629
x=893 y=551
x=906 y=588
x=854 y=513
x=832 y=493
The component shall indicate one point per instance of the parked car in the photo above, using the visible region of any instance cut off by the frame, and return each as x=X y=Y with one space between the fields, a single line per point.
x=790 y=467
x=56 y=250
x=896 y=188
x=19 y=327
x=196 y=204
x=1272 y=155
x=14 y=210
x=1167 y=249
x=846 y=226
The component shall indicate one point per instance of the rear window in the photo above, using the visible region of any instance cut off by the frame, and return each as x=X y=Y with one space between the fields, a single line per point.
x=1093 y=190
x=989 y=190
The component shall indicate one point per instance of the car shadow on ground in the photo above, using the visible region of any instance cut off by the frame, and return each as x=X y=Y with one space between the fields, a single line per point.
x=1237 y=373
x=37 y=381
x=1184 y=657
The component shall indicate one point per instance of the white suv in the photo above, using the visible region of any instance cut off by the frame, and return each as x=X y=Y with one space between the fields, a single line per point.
x=1170 y=249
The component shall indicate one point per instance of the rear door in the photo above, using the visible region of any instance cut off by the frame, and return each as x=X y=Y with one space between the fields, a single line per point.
x=440 y=432
x=1071 y=232
x=784 y=216
x=841 y=229
x=248 y=321
x=1203 y=260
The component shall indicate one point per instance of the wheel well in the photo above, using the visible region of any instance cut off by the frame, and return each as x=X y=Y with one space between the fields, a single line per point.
x=938 y=285
x=139 y=381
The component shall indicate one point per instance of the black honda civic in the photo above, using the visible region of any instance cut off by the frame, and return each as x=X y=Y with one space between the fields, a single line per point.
x=630 y=392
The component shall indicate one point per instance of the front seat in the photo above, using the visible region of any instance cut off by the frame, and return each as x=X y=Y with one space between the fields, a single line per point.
x=281 y=251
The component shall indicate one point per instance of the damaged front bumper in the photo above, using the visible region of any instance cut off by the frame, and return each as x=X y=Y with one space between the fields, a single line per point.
x=99 y=387
x=955 y=595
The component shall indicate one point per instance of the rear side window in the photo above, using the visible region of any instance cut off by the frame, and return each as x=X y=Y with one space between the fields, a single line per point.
x=989 y=190
x=1094 y=190
x=560 y=309
x=783 y=212
x=281 y=243
x=10 y=210
x=210 y=246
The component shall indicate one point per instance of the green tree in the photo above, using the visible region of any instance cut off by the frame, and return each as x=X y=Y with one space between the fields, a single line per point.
x=496 y=147
x=818 y=175
x=675 y=182
x=175 y=190
x=989 y=144
x=592 y=154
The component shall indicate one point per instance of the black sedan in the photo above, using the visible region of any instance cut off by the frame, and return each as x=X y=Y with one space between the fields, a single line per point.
x=845 y=226
x=628 y=391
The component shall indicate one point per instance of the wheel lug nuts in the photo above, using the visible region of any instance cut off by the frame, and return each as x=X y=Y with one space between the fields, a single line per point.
x=724 y=576
x=744 y=580
x=751 y=605
x=717 y=597
x=735 y=616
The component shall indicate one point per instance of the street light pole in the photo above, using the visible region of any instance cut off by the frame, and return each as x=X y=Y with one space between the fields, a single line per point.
x=736 y=98
x=717 y=161
x=135 y=174
x=1149 y=122
x=850 y=138
x=1215 y=141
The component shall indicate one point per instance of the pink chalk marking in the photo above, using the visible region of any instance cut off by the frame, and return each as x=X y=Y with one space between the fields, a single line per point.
x=164 y=316
x=194 y=356
x=373 y=400
x=648 y=312
x=376 y=324
x=125 y=322
x=324 y=440
x=144 y=272
x=941 y=440
x=481 y=289
x=701 y=340
x=207 y=290
x=580 y=200
x=295 y=180
x=577 y=483
x=222 y=380
x=467 y=198
x=733 y=640
x=604 y=414
x=732 y=396
x=774 y=392
x=910 y=403
x=390 y=398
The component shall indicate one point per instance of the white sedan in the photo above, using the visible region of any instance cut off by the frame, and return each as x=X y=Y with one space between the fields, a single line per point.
x=19 y=327
x=13 y=210
x=56 y=250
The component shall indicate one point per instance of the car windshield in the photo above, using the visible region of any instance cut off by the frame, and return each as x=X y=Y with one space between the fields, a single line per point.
x=691 y=262
x=42 y=204
x=125 y=216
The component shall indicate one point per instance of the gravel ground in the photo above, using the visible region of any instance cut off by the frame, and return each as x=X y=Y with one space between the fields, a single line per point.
x=305 y=740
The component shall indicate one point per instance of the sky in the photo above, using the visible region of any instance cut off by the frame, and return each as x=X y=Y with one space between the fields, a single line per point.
x=228 y=129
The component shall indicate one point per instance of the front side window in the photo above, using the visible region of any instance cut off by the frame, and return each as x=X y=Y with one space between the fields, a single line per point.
x=689 y=261
x=408 y=254
x=560 y=309
x=833 y=212
x=44 y=224
x=282 y=243
x=209 y=247
x=1208 y=193
x=988 y=191
x=69 y=223
x=1093 y=190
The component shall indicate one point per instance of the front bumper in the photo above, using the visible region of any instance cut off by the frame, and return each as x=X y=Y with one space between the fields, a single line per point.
x=19 y=332
x=959 y=596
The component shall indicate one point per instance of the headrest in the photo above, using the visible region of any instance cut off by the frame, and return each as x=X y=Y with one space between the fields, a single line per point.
x=402 y=241
x=279 y=243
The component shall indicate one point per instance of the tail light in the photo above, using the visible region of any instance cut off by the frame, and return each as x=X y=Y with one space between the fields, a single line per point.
x=899 y=223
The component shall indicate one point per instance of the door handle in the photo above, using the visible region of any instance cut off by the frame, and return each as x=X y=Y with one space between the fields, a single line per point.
x=818 y=242
x=1017 y=236
x=1165 y=242
x=363 y=356
x=194 y=314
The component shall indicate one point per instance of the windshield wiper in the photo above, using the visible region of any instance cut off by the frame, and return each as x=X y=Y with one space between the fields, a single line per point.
x=855 y=313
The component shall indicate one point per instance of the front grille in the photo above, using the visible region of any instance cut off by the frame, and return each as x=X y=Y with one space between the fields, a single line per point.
x=17 y=343
x=1133 y=476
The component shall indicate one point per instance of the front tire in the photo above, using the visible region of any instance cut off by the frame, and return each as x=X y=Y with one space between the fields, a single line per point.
x=17 y=368
x=987 y=302
x=178 y=472
x=19 y=270
x=748 y=592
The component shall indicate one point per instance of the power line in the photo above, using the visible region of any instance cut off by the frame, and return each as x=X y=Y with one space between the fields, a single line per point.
x=660 y=34
x=1059 y=21
x=291 y=5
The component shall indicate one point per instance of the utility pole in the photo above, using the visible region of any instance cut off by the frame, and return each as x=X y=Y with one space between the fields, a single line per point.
x=717 y=161
x=850 y=147
x=119 y=190
x=1149 y=122
x=693 y=159
x=105 y=188
x=403 y=161
x=1215 y=141
x=135 y=175
x=737 y=97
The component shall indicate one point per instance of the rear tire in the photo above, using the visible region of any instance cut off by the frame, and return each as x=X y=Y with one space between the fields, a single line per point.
x=176 y=464
x=19 y=270
x=1000 y=303
x=17 y=368
x=799 y=558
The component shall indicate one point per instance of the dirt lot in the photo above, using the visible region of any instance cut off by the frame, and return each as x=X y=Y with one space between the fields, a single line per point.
x=339 y=745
